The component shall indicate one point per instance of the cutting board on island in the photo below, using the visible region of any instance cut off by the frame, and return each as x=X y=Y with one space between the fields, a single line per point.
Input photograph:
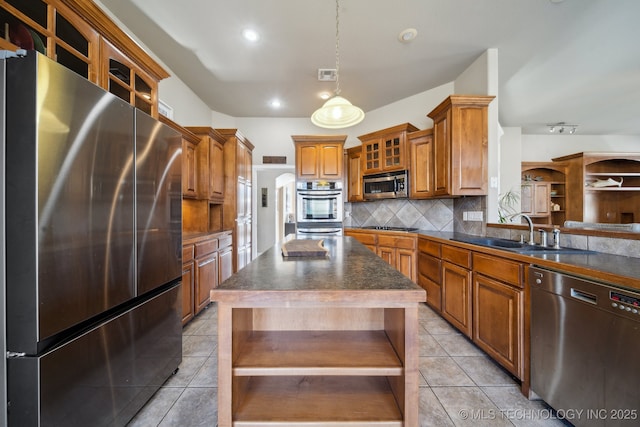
x=304 y=248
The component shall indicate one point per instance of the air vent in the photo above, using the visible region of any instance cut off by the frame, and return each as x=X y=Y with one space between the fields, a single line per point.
x=327 y=74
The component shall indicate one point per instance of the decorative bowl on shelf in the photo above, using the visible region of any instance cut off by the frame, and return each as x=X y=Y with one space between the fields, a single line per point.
x=610 y=182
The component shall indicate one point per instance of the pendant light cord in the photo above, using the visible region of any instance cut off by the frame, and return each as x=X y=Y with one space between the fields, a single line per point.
x=337 y=47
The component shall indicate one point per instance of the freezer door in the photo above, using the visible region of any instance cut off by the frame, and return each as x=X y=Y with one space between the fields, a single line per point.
x=69 y=197
x=103 y=377
x=3 y=340
x=158 y=203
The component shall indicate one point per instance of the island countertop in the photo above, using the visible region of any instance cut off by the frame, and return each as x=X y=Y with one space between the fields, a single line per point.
x=349 y=267
x=329 y=340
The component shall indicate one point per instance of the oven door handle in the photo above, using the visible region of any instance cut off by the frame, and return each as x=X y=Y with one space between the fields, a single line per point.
x=318 y=230
x=319 y=196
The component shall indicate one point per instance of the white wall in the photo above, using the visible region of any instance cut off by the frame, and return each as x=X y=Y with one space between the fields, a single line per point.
x=543 y=148
x=510 y=158
x=272 y=136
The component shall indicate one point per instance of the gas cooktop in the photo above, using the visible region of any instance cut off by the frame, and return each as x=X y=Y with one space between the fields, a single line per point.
x=385 y=227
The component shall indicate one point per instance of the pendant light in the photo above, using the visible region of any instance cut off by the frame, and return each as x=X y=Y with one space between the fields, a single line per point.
x=337 y=112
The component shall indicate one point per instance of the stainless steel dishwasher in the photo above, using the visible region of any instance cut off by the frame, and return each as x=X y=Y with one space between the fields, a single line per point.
x=585 y=348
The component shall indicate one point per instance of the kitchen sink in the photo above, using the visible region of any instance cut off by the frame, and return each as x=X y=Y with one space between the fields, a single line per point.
x=518 y=247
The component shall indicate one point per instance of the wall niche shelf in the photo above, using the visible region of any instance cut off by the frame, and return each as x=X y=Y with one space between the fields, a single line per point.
x=612 y=204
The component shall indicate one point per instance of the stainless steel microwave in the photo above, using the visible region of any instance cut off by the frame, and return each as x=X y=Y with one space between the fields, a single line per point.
x=389 y=185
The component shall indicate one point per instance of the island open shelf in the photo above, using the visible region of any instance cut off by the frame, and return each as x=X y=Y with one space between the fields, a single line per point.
x=327 y=401
x=332 y=342
x=317 y=353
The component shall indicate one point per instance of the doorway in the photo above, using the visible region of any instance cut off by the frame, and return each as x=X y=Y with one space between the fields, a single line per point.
x=274 y=204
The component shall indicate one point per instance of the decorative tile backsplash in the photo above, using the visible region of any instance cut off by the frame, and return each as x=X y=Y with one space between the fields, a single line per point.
x=432 y=215
x=435 y=215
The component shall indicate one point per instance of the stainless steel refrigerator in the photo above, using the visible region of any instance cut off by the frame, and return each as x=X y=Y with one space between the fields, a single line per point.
x=92 y=242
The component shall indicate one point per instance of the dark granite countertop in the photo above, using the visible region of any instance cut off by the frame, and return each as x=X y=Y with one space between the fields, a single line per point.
x=617 y=270
x=349 y=268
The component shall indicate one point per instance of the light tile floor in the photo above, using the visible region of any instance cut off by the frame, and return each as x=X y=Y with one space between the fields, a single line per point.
x=459 y=385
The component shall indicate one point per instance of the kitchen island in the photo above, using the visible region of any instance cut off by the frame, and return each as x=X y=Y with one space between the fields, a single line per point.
x=324 y=340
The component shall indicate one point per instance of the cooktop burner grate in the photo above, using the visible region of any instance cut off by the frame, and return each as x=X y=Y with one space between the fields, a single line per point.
x=385 y=227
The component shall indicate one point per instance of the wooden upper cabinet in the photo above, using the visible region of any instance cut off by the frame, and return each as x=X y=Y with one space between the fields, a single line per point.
x=210 y=163
x=190 y=143
x=53 y=29
x=421 y=175
x=386 y=150
x=535 y=200
x=354 y=173
x=460 y=135
x=127 y=81
x=80 y=36
x=319 y=157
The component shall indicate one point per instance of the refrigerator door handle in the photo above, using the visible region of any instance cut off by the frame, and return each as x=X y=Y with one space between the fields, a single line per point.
x=14 y=355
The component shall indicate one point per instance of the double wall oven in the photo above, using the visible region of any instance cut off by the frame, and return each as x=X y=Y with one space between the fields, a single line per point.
x=319 y=207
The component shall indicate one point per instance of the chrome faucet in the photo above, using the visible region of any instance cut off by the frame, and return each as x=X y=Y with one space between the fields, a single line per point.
x=543 y=237
x=556 y=238
x=531 y=239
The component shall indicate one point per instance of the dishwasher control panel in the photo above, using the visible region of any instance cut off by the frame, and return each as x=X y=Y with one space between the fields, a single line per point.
x=624 y=302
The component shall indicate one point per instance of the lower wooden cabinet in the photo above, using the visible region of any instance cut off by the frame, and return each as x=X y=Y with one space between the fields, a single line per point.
x=396 y=249
x=225 y=261
x=456 y=287
x=188 y=278
x=207 y=260
x=456 y=296
x=206 y=279
x=399 y=252
x=481 y=295
x=369 y=239
x=498 y=310
x=430 y=271
x=496 y=318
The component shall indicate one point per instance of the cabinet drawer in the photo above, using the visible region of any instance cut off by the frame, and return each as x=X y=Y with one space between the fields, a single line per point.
x=430 y=267
x=206 y=247
x=430 y=247
x=511 y=272
x=458 y=256
x=224 y=241
x=187 y=253
x=364 y=238
x=399 y=242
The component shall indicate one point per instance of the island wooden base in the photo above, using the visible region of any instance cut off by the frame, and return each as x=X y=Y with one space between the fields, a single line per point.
x=318 y=363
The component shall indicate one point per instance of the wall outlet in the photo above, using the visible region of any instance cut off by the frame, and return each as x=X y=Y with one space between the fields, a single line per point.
x=472 y=216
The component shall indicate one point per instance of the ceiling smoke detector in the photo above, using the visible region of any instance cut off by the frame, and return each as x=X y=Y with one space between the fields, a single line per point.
x=327 y=74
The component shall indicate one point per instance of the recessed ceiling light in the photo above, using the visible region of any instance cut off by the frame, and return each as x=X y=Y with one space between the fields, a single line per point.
x=251 y=35
x=407 y=35
x=275 y=103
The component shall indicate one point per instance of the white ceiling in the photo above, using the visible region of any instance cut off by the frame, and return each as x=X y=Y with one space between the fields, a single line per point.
x=576 y=61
